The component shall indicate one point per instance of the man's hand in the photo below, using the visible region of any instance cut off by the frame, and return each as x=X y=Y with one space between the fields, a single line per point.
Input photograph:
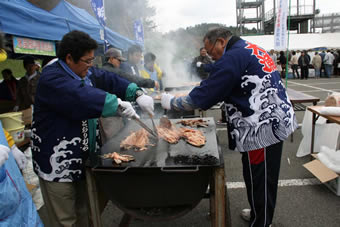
x=3 y=154
x=166 y=101
x=125 y=109
x=146 y=104
x=198 y=64
x=19 y=157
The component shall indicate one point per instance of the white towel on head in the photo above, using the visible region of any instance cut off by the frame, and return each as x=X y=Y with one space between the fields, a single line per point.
x=330 y=110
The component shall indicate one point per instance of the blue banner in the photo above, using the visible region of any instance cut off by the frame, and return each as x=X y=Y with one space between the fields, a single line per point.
x=99 y=10
x=139 y=31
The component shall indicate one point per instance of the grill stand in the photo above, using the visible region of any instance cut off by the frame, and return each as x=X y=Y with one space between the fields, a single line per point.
x=219 y=202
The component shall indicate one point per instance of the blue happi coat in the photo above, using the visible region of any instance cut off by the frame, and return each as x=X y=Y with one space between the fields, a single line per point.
x=259 y=113
x=64 y=125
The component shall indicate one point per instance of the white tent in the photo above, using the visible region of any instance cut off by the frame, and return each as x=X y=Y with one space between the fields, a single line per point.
x=299 y=41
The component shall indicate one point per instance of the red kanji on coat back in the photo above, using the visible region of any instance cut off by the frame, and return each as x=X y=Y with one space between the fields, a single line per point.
x=263 y=56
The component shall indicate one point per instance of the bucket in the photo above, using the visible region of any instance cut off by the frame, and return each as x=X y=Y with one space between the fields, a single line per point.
x=18 y=134
x=11 y=120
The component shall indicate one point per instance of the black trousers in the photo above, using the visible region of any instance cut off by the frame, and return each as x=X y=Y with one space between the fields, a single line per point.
x=304 y=72
x=261 y=170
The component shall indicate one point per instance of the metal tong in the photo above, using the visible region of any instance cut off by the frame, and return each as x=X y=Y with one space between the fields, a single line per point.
x=153 y=124
x=142 y=124
x=149 y=130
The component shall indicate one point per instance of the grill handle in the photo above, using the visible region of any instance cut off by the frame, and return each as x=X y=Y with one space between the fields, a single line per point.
x=180 y=170
x=111 y=170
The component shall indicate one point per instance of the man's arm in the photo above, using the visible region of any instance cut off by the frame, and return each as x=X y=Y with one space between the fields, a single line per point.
x=140 y=81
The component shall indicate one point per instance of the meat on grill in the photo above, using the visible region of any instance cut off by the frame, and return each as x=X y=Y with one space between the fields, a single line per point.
x=193 y=136
x=171 y=135
x=138 y=140
x=194 y=123
x=119 y=158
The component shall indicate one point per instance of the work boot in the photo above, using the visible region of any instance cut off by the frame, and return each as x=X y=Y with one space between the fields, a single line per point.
x=245 y=214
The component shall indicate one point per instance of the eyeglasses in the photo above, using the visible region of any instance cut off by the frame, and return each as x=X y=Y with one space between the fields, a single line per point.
x=88 y=62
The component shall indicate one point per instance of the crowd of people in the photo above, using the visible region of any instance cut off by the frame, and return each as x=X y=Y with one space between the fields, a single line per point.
x=325 y=63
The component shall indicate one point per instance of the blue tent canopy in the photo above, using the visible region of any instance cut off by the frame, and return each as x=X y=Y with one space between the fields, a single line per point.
x=21 y=18
x=78 y=18
x=33 y=22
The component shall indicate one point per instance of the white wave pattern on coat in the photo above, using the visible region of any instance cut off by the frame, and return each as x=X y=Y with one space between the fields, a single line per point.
x=273 y=118
x=60 y=163
x=35 y=136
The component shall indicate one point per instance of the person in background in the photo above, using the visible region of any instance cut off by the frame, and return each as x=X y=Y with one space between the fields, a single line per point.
x=71 y=95
x=295 y=65
x=201 y=64
x=337 y=63
x=8 y=86
x=113 y=59
x=16 y=204
x=282 y=62
x=328 y=61
x=304 y=60
x=152 y=70
x=134 y=58
x=322 y=71
x=27 y=85
x=316 y=62
x=260 y=115
x=273 y=56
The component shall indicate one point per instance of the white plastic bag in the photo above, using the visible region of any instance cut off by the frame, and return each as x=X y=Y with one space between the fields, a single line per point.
x=325 y=134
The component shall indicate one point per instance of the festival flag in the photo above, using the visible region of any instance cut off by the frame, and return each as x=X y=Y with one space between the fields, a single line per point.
x=139 y=31
x=99 y=11
x=280 y=33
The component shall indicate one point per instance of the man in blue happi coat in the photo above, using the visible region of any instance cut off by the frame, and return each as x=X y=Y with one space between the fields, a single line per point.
x=71 y=95
x=259 y=114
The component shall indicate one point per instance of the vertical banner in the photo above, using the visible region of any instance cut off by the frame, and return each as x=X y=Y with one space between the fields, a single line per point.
x=139 y=31
x=280 y=33
x=99 y=11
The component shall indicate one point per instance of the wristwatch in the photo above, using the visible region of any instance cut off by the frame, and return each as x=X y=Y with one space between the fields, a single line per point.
x=139 y=93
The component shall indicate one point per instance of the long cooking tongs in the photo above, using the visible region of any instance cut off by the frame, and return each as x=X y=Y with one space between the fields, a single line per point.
x=136 y=118
x=149 y=130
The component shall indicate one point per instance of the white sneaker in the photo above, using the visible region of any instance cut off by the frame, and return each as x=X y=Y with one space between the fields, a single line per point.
x=245 y=214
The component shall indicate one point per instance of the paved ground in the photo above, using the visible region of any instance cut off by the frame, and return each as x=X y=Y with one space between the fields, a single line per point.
x=302 y=200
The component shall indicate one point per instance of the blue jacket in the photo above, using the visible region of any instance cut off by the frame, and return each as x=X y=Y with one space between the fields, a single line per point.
x=64 y=118
x=259 y=112
x=16 y=205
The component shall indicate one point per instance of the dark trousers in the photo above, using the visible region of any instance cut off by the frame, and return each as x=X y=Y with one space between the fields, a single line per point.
x=261 y=174
x=304 y=72
x=295 y=70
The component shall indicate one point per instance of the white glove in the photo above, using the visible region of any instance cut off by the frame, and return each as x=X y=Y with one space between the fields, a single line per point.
x=19 y=157
x=198 y=64
x=166 y=101
x=3 y=154
x=125 y=109
x=145 y=102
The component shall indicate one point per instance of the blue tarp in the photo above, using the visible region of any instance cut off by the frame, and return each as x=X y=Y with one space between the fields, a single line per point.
x=19 y=17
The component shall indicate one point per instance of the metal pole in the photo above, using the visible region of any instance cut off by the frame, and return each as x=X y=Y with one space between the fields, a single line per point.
x=287 y=52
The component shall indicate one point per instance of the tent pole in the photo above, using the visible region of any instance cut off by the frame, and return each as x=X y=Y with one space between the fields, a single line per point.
x=287 y=52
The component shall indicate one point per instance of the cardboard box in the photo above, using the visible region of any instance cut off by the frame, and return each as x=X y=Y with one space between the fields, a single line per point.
x=27 y=116
x=324 y=174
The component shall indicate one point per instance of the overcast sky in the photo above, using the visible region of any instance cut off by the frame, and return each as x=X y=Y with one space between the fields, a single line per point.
x=173 y=14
